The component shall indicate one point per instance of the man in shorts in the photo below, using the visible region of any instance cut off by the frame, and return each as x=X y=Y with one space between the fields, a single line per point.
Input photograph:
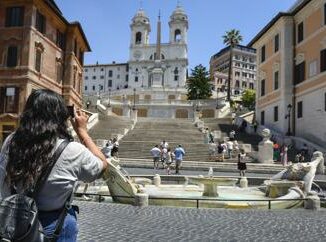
x=179 y=152
x=156 y=153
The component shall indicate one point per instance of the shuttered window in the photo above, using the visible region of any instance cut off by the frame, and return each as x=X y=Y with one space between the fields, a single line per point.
x=40 y=22
x=12 y=55
x=323 y=60
x=299 y=75
x=14 y=17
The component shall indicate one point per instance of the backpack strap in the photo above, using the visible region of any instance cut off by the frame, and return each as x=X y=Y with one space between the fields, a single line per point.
x=45 y=174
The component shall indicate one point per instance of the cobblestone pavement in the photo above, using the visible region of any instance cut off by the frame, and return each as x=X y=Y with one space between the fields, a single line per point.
x=117 y=222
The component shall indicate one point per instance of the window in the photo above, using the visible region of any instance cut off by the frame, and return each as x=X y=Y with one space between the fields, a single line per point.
x=325 y=13
x=244 y=74
x=100 y=87
x=109 y=83
x=138 y=38
x=94 y=77
x=300 y=32
x=118 y=76
x=12 y=56
x=276 y=80
x=85 y=88
x=262 y=117
x=9 y=99
x=276 y=114
x=323 y=60
x=14 y=17
x=237 y=83
x=276 y=43
x=93 y=88
x=237 y=73
x=61 y=40
x=40 y=22
x=86 y=70
x=38 y=60
x=101 y=77
x=110 y=73
x=262 y=88
x=300 y=111
x=86 y=77
x=176 y=74
x=251 y=85
x=262 y=54
x=59 y=72
x=75 y=48
x=313 y=68
x=177 y=35
x=299 y=75
x=136 y=78
x=102 y=69
x=127 y=78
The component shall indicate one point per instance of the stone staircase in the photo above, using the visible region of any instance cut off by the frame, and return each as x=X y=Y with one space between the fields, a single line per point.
x=150 y=131
x=109 y=127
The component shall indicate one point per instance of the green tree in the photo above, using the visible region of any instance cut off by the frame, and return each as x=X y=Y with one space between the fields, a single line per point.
x=249 y=98
x=231 y=38
x=198 y=84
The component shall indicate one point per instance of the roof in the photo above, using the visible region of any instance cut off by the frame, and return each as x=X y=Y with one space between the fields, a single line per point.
x=55 y=8
x=101 y=65
x=240 y=47
x=292 y=11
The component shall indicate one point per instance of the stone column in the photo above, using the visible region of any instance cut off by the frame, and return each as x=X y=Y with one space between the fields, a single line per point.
x=265 y=148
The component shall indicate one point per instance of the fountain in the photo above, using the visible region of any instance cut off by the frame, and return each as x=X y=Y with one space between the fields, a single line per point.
x=294 y=182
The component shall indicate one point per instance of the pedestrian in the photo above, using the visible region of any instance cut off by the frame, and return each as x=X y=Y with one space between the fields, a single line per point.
x=276 y=152
x=88 y=103
x=220 y=152
x=107 y=149
x=164 y=144
x=169 y=161
x=156 y=153
x=255 y=125
x=232 y=135
x=229 y=145
x=242 y=166
x=115 y=148
x=212 y=150
x=284 y=155
x=243 y=126
x=27 y=154
x=206 y=136
x=179 y=153
x=164 y=156
x=211 y=136
x=304 y=151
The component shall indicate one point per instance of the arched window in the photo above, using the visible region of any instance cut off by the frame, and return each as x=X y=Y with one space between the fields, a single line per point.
x=176 y=74
x=177 y=35
x=138 y=38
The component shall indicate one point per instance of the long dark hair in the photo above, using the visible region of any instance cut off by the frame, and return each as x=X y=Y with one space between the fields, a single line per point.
x=42 y=122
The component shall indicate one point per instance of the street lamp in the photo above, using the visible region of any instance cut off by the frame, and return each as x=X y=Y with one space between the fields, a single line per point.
x=109 y=104
x=288 y=116
x=134 y=106
x=197 y=97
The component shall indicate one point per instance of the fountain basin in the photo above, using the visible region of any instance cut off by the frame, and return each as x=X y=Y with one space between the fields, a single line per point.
x=211 y=184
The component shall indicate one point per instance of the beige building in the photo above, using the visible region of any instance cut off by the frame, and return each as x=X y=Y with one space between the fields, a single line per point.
x=243 y=69
x=291 y=77
x=39 y=48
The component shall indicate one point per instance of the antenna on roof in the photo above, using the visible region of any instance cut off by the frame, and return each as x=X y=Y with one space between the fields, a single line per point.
x=141 y=4
x=159 y=14
x=178 y=3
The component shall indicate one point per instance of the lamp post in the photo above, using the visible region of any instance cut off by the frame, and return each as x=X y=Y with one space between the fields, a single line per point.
x=109 y=104
x=134 y=106
x=197 y=95
x=288 y=116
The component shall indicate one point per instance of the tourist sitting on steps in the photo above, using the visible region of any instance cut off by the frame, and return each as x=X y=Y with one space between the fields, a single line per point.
x=27 y=154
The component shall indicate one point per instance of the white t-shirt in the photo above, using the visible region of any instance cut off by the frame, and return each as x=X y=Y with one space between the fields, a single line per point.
x=156 y=152
x=75 y=163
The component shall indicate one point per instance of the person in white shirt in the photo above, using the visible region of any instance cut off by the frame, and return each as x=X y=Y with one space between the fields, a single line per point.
x=156 y=153
x=232 y=135
x=229 y=144
x=106 y=150
x=164 y=144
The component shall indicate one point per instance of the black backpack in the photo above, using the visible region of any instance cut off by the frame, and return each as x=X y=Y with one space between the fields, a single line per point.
x=19 y=214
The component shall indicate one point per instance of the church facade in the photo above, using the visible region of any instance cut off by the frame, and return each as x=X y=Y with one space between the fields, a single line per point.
x=143 y=59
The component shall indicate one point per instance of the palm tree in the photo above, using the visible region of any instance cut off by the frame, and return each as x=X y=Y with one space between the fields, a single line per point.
x=231 y=38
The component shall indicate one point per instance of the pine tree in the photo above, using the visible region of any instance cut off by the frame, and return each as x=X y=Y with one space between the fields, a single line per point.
x=198 y=84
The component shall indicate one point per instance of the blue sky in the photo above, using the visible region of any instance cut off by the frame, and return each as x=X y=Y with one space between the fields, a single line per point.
x=106 y=23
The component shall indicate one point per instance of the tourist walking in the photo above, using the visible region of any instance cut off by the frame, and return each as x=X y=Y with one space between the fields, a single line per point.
x=242 y=166
x=169 y=161
x=156 y=153
x=232 y=135
x=179 y=153
x=206 y=136
x=107 y=149
x=26 y=156
x=255 y=125
x=229 y=145
x=164 y=144
x=212 y=150
x=164 y=156
x=115 y=148
x=284 y=155
x=220 y=152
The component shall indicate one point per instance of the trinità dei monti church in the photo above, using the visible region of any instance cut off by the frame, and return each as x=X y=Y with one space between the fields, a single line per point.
x=153 y=81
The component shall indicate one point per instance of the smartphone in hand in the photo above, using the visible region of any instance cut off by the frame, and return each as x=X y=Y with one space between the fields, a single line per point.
x=71 y=111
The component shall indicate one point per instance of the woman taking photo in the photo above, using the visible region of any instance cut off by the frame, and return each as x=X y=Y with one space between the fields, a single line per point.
x=28 y=152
